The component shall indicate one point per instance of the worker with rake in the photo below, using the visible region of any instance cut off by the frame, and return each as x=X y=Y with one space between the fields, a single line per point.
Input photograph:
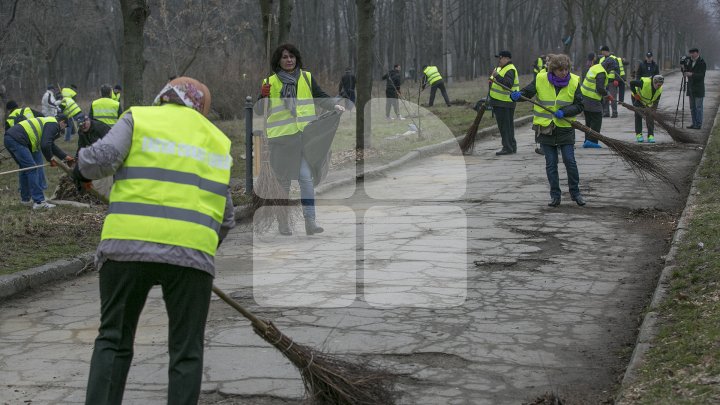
x=558 y=91
x=646 y=93
x=170 y=207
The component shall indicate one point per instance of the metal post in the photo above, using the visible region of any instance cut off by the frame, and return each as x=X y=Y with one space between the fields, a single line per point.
x=248 y=145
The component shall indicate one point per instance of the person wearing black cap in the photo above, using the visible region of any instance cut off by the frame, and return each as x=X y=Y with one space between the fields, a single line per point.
x=647 y=68
x=26 y=139
x=14 y=114
x=696 y=87
x=503 y=107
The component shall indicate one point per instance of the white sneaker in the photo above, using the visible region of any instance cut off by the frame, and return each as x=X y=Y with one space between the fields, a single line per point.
x=401 y=118
x=42 y=205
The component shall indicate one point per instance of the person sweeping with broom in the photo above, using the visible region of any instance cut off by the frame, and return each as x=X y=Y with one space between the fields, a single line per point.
x=170 y=207
x=594 y=90
x=292 y=93
x=559 y=91
x=646 y=93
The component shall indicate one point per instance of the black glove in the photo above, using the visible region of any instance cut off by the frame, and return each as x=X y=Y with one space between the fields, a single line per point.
x=82 y=184
x=478 y=105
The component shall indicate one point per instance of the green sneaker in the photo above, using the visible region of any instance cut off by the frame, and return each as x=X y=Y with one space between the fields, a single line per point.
x=651 y=139
x=639 y=138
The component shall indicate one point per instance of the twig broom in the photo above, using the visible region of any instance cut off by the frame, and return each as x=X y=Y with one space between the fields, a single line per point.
x=637 y=159
x=327 y=379
x=467 y=144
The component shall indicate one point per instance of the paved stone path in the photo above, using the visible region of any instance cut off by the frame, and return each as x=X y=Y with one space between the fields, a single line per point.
x=450 y=270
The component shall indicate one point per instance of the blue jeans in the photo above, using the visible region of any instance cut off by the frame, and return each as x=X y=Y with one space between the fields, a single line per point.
x=307 y=189
x=551 y=168
x=30 y=186
x=696 y=111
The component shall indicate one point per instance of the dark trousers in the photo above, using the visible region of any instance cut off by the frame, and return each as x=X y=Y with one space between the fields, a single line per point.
x=638 y=124
x=124 y=287
x=551 y=169
x=594 y=121
x=438 y=85
x=504 y=117
x=621 y=91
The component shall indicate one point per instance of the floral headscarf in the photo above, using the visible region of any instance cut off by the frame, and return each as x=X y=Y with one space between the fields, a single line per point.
x=185 y=91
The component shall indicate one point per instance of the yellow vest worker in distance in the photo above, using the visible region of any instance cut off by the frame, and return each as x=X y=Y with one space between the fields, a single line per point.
x=433 y=78
x=170 y=207
x=15 y=114
x=292 y=94
x=503 y=107
x=613 y=85
x=594 y=90
x=558 y=91
x=105 y=109
x=646 y=93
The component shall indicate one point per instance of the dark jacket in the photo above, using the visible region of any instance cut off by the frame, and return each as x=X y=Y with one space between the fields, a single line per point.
x=393 y=81
x=696 y=82
x=559 y=135
x=51 y=132
x=347 y=85
x=97 y=130
x=646 y=69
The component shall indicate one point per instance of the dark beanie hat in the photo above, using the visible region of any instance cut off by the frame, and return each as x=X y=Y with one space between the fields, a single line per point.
x=11 y=105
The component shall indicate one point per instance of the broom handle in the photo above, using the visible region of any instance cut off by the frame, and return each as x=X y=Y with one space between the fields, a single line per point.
x=256 y=322
x=24 y=169
x=575 y=124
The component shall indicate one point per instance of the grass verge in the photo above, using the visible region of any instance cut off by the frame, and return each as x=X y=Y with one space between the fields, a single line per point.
x=683 y=364
x=32 y=238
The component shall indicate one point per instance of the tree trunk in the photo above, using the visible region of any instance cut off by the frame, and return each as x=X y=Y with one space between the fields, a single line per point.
x=284 y=24
x=365 y=35
x=135 y=13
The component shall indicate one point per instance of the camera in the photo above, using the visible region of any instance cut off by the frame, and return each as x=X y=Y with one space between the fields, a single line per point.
x=685 y=63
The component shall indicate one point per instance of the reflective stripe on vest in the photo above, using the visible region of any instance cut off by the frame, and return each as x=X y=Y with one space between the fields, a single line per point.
x=173 y=184
x=497 y=92
x=588 y=87
x=280 y=120
x=105 y=110
x=547 y=97
x=432 y=73
x=70 y=107
x=647 y=98
x=611 y=74
x=34 y=128
x=620 y=64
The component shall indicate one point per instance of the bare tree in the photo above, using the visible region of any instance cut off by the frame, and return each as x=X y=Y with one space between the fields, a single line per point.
x=135 y=13
x=365 y=35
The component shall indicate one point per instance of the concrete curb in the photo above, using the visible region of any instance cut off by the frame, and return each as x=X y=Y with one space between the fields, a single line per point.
x=14 y=283
x=17 y=282
x=649 y=328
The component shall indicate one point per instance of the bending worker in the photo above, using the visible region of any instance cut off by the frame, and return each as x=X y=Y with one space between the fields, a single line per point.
x=646 y=93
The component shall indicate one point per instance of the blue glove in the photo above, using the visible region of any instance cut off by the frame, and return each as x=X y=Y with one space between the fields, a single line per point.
x=515 y=95
x=559 y=113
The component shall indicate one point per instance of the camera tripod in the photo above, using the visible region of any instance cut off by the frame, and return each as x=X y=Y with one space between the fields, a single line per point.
x=681 y=96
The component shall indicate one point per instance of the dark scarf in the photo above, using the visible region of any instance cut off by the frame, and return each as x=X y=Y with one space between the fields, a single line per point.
x=289 y=89
x=558 y=82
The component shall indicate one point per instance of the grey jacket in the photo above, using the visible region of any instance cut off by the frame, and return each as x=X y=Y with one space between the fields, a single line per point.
x=104 y=158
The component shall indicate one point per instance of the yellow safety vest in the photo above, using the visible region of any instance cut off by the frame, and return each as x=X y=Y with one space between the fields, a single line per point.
x=280 y=120
x=115 y=96
x=34 y=128
x=588 y=88
x=70 y=107
x=432 y=73
x=539 y=65
x=68 y=92
x=647 y=98
x=16 y=113
x=611 y=74
x=546 y=97
x=497 y=92
x=106 y=110
x=172 y=186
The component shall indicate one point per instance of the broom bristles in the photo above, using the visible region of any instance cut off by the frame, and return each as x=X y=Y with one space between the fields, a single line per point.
x=663 y=120
x=467 y=144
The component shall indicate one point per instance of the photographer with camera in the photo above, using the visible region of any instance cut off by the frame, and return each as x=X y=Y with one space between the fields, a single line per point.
x=694 y=70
